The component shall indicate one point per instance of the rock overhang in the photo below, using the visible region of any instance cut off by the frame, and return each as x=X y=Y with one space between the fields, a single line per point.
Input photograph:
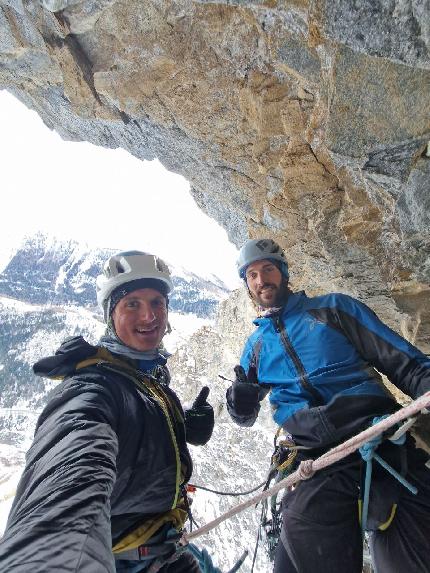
x=303 y=120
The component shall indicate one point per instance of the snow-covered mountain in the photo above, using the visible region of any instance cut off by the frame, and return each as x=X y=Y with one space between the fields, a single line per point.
x=47 y=294
x=44 y=270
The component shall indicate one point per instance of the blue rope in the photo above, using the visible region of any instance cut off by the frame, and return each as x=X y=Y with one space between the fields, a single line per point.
x=368 y=453
x=395 y=474
x=204 y=559
x=206 y=563
x=365 y=508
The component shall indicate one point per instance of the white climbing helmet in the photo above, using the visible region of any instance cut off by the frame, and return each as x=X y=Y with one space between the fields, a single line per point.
x=257 y=250
x=128 y=266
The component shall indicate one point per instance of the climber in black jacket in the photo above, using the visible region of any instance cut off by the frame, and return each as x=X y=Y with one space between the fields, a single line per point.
x=103 y=488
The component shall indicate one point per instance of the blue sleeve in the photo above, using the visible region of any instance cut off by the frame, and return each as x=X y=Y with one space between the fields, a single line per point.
x=404 y=365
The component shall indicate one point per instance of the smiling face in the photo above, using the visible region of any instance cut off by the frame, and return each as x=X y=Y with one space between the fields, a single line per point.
x=140 y=319
x=265 y=283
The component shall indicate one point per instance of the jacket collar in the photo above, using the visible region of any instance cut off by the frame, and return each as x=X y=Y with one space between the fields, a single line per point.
x=293 y=300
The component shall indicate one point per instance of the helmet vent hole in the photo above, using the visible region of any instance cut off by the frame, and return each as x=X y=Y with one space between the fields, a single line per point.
x=119 y=267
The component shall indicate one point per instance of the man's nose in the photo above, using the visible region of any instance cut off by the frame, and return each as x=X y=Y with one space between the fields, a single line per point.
x=259 y=279
x=146 y=312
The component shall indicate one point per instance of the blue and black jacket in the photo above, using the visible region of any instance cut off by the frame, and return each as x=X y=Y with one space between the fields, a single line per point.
x=320 y=358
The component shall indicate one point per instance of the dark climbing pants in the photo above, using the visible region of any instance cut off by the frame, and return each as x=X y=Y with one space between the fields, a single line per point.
x=321 y=531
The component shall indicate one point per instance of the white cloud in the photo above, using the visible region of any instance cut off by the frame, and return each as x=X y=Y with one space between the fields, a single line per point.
x=105 y=197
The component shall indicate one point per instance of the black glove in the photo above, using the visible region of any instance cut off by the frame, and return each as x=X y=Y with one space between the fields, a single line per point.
x=199 y=420
x=244 y=394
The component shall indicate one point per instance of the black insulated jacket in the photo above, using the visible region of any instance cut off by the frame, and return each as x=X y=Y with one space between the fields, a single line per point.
x=105 y=459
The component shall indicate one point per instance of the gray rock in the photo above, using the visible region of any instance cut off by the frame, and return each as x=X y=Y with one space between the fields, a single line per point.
x=395 y=29
x=414 y=204
x=396 y=161
x=375 y=103
x=299 y=120
x=295 y=53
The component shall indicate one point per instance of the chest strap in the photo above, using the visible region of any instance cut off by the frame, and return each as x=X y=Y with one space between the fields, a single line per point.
x=150 y=387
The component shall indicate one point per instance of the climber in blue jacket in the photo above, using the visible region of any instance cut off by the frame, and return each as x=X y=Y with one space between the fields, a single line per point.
x=320 y=359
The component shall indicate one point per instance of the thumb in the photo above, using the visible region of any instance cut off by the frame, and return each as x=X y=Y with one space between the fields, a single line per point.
x=202 y=397
x=240 y=373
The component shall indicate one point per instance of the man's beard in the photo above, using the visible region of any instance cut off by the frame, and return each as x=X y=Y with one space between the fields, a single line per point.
x=279 y=299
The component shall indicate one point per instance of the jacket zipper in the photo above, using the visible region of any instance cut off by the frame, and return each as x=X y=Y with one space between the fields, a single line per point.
x=163 y=405
x=306 y=385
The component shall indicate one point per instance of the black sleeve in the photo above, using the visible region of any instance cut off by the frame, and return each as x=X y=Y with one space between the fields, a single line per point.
x=60 y=518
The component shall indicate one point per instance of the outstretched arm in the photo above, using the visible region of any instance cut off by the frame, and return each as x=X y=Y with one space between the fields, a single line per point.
x=60 y=519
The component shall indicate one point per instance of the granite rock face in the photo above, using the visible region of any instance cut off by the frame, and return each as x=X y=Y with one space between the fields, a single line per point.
x=304 y=120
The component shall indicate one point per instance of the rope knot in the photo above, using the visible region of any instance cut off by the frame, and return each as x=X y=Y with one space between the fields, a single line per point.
x=305 y=469
x=367 y=450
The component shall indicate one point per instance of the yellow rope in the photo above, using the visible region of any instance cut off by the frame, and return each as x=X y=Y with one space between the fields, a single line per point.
x=161 y=399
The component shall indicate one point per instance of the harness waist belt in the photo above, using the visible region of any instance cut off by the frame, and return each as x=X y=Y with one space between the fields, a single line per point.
x=146 y=552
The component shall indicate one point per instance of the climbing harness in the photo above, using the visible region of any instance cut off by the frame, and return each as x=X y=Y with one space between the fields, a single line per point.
x=170 y=549
x=368 y=453
x=160 y=546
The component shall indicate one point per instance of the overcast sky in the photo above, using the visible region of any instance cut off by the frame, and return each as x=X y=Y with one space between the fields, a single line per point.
x=104 y=197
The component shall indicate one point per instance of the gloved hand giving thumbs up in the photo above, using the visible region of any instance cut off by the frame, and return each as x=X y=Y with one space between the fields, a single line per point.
x=243 y=396
x=199 y=420
x=245 y=391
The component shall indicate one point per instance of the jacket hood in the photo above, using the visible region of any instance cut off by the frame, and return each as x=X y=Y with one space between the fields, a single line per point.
x=73 y=351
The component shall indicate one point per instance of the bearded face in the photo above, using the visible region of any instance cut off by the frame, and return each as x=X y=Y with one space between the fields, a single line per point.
x=267 y=285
